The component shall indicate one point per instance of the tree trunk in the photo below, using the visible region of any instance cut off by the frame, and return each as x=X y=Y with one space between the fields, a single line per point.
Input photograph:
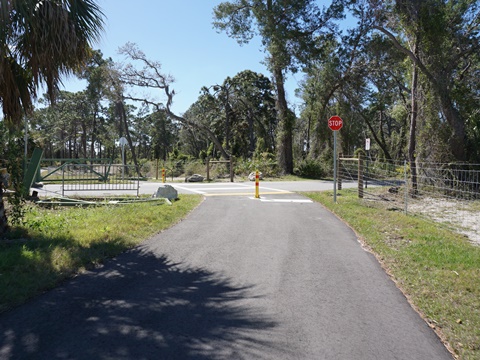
x=251 y=134
x=84 y=140
x=308 y=134
x=285 y=139
x=413 y=126
x=94 y=129
x=123 y=116
x=228 y=113
x=458 y=139
x=3 y=217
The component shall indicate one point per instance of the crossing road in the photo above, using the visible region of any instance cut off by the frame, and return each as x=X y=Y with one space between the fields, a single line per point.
x=246 y=188
x=228 y=189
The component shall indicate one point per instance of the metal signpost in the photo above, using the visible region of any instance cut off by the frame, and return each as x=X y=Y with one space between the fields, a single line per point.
x=335 y=123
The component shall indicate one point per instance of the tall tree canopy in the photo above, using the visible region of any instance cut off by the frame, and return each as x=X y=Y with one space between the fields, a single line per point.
x=291 y=31
x=242 y=110
x=442 y=40
x=409 y=71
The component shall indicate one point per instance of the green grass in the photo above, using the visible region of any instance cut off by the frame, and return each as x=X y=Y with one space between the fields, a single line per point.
x=437 y=269
x=56 y=244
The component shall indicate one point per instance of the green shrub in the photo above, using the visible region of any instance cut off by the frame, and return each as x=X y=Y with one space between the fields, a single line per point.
x=265 y=164
x=310 y=168
x=195 y=167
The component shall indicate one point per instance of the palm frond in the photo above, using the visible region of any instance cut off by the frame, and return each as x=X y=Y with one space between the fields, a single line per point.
x=42 y=40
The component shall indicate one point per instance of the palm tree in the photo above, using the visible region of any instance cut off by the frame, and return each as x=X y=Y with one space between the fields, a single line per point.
x=41 y=41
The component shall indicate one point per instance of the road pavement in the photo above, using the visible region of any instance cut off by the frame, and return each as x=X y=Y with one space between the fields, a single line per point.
x=217 y=188
x=241 y=278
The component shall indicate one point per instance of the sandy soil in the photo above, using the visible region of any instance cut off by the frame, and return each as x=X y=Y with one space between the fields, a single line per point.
x=460 y=215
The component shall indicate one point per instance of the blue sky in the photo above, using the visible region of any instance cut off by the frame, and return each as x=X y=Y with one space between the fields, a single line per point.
x=180 y=35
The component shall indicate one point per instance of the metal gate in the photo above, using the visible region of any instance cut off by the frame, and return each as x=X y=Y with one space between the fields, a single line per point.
x=98 y=177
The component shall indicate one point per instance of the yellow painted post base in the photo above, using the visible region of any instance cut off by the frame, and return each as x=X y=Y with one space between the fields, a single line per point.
x=257 y=185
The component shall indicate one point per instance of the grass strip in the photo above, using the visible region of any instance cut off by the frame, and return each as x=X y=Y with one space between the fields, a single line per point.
x=55 y=244
x=437 y=269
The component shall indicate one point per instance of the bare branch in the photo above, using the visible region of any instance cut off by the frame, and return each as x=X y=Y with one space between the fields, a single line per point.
x=150 y=76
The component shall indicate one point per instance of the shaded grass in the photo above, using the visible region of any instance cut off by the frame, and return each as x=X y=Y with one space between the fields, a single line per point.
x=437 y=269
x=53 y=245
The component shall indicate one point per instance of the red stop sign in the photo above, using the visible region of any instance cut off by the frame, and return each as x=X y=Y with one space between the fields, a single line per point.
x=335 y=123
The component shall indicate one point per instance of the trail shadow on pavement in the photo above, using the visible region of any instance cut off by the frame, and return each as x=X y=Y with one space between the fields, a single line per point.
x=141 y=306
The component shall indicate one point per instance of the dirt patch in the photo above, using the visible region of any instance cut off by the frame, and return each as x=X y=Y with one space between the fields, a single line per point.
x=462 y=216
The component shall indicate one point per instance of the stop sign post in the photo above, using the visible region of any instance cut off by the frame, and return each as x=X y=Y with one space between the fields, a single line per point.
x=335 y=123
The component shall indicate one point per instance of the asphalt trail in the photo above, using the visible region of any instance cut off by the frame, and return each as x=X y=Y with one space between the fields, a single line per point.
x=238 y=279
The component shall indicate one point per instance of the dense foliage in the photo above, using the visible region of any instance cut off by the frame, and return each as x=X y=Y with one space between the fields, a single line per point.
x=403 y=73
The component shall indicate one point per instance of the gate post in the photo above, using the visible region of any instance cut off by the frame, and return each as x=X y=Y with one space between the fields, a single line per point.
x=360 y=175
x=339 y=178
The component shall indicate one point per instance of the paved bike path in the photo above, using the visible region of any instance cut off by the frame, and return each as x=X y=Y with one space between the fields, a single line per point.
x=238 y=279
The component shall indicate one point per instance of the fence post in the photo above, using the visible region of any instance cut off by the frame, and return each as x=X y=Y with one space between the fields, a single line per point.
x=231 y=167
x=360 y=175
x=63 y=180
x=156 y=171
x=339 y=178
x=208 y=168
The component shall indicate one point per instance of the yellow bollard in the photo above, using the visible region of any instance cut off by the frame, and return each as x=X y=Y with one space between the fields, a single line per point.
x=257 y=190
x=163 y=175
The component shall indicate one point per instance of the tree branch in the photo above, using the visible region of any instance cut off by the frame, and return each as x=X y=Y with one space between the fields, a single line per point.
x=410 y=54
